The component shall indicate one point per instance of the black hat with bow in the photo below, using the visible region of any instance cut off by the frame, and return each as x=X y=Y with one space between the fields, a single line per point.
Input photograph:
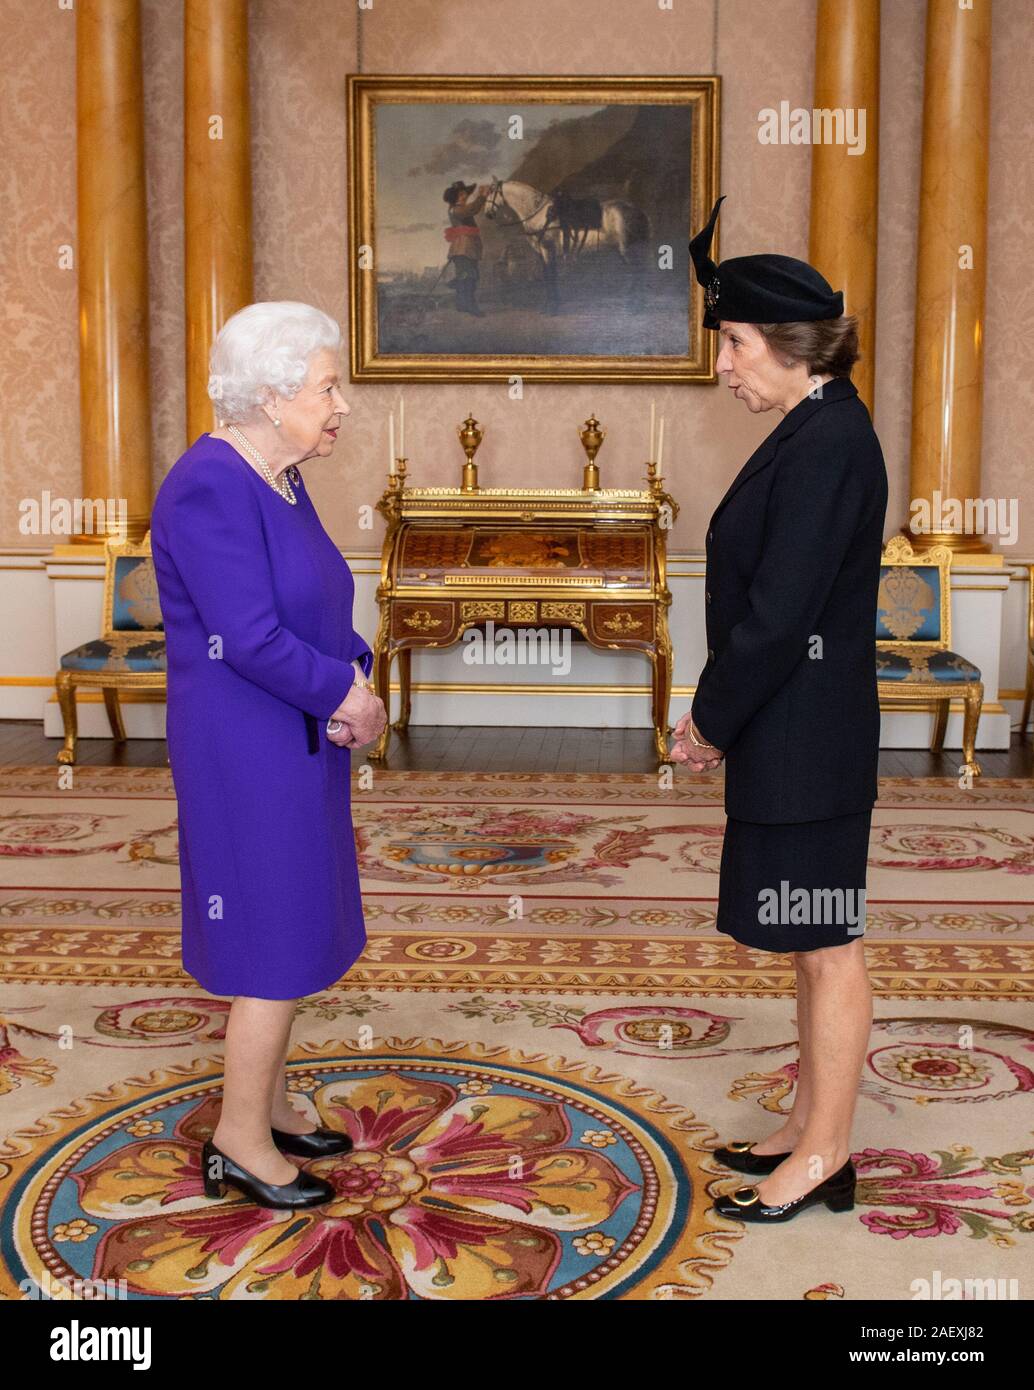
x=760 y=289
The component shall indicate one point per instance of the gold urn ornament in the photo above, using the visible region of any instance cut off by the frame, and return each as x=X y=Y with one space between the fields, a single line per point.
x=471 y=436
x=592 y=435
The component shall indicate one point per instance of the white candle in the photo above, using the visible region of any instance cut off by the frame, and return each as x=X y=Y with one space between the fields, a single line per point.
x=391 y=443
x=653 y=412
x=402 y=427
x=660 y=444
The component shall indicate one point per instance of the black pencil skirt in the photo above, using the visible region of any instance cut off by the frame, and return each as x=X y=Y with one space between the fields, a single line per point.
x=797 y=886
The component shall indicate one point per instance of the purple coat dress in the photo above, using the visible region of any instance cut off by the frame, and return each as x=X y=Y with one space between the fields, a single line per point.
x=257 y=604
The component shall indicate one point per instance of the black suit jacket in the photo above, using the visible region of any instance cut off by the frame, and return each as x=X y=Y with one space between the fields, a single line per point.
x=793 y=567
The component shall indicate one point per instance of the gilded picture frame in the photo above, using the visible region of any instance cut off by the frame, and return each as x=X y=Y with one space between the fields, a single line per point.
x=531 y=227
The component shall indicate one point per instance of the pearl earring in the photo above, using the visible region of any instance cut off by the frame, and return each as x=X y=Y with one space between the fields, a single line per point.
x=277 y=423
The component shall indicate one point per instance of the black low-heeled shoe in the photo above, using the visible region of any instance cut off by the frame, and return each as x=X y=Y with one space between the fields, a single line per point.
x=317 y=1143
x=219 y=1172
x=745 y=1203
x=738 y=1156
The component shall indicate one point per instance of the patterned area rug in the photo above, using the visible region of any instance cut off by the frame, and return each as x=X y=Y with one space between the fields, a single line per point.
x=500 y=881
x=541 y=1045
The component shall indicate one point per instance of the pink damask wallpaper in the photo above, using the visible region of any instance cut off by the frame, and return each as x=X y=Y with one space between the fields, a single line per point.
x=300 y=53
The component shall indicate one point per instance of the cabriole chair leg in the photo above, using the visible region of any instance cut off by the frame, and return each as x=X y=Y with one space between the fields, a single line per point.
x=69 y=716
x=974 y=701
x=114 y=709
x=940 y=725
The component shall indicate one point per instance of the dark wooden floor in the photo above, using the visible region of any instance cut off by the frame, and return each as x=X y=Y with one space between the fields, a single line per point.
x=426 y=748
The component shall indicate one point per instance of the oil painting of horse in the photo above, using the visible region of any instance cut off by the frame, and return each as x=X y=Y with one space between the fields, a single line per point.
x=536 y=227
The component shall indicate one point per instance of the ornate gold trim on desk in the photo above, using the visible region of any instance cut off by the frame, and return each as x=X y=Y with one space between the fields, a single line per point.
x=569 y=581
x=557 y=512
x=563 y=612
x=505 y=493
x=422 y=620
x=477 y=610
x=517 y=505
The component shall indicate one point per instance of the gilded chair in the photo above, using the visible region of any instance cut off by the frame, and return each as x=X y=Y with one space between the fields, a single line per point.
x=1028 y=695
x=129 y=654
x=914 y=660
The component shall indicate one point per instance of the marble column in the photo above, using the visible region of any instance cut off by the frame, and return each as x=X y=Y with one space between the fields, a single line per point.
x=216 y=186
x=845 y=177
x=114 y=378
x=947 y=375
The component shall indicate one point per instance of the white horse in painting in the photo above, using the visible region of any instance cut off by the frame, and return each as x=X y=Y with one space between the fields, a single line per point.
x=546 y=223
x=596 y=224
x=530 y=208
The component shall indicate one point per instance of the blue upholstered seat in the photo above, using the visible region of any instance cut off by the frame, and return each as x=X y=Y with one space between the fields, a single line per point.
x=919 y=664
x=103 y=654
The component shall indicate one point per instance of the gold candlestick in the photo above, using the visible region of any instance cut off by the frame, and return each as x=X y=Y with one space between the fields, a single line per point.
x=470 y=436
x=668 y=508
x=592 y=436
x=397 y=478
x=390 y=505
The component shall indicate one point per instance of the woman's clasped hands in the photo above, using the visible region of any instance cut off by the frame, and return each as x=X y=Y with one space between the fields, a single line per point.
x=692 y=748
x=361 y=716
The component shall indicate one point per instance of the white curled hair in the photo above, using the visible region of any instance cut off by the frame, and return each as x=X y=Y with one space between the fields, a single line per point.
x=265 y=346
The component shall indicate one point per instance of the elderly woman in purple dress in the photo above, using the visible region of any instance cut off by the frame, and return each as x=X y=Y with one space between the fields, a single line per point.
x=267 y=692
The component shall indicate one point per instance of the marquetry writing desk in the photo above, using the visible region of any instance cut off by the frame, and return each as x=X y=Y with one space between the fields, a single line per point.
x=590 y=560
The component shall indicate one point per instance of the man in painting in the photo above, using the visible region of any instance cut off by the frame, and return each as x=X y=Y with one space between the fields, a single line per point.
x=464 y=240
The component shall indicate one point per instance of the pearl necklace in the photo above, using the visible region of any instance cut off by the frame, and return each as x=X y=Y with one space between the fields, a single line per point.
x=283 y=487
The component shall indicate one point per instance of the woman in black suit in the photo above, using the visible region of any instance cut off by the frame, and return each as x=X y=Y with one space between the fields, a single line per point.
x=788 y=697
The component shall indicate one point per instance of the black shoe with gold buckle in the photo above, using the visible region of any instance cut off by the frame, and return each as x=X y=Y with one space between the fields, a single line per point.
x=745 y=1203
x=738 y=1155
